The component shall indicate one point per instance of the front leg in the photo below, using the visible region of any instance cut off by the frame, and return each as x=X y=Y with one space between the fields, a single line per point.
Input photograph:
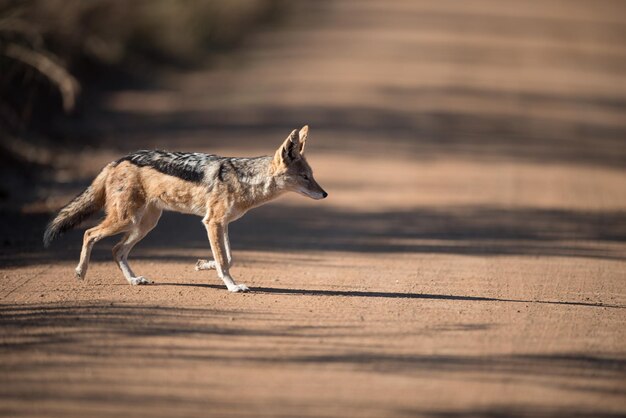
x=202 y=264
x=229 y=256
x=215 y=231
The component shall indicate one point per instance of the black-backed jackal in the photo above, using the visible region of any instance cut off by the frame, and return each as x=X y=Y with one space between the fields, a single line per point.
x=135 y=189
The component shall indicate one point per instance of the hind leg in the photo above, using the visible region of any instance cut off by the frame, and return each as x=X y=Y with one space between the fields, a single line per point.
x=120 y=252
x=110 y=226
x=124 y=207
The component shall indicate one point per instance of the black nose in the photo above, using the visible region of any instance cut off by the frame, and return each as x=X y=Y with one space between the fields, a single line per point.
x=324 y=195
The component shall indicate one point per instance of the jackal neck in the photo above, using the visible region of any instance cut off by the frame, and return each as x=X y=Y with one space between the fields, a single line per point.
x=256 y=182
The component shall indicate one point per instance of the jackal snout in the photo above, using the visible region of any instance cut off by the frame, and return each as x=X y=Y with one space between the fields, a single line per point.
x=313 y=189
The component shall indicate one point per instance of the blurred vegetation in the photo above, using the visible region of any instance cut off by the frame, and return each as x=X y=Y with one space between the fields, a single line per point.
x=52 y=50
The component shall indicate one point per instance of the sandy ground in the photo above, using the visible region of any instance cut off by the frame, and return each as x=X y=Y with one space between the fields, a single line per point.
x=469 y=262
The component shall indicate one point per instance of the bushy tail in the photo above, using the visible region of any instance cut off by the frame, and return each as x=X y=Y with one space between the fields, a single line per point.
x=82 y=207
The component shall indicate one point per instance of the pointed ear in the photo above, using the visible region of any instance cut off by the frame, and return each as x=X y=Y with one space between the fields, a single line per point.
x=289 y=151
x=304 y=132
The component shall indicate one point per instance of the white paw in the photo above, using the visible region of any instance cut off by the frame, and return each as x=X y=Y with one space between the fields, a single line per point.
x=205 y=265
x=239 y=288
x=136 y=281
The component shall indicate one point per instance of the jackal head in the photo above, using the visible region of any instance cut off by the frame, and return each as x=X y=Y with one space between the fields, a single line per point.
x=291 y=170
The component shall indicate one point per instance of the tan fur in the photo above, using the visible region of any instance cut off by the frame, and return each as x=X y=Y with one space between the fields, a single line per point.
x=134 y=197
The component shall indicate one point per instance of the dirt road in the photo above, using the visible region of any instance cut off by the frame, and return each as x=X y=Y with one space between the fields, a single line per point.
x=469 y=262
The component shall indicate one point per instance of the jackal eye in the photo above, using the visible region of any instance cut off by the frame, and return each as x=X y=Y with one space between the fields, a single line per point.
x=304 y=176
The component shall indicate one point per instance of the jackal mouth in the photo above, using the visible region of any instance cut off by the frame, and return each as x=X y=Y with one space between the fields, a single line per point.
x=313 y=194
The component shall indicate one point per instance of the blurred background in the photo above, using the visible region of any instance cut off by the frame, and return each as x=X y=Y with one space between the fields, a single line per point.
x=61 y=60
x=418 y=110
x=469 y=261
x=484 y=79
